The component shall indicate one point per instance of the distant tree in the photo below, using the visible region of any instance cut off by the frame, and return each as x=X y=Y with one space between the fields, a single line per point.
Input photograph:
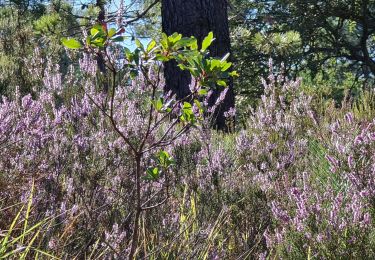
x=198 y=18
x=15 y=45
x=332 y=29
x=312 y=36
x=26 y=26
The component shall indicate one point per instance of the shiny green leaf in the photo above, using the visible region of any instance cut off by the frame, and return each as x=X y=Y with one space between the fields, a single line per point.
x=71 y=43
x=207 y=41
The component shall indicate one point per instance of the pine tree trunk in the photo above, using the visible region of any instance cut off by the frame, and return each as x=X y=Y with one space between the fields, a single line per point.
x=100 y=4
x=197 y=18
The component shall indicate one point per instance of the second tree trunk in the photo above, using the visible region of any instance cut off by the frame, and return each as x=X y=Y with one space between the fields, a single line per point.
x=197 y=18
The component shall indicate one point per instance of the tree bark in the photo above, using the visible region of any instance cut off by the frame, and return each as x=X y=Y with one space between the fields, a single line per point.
x=197 y=18
x=99 y=58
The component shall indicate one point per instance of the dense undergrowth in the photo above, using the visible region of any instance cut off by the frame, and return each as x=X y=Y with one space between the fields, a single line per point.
x=297 y=182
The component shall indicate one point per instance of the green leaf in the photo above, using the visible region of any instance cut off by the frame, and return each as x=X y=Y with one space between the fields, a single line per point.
x=234 y=74
x=174 y=38
x=94 y=31
x=152 y=173
x=111 y=32
x=202 y=92
x=118 y=39
x=97 y=31
x=128 y=54
x=158 y=104
x=182 y=66
x=221 y=83
x=98 y=42
x=187 y=105
x=197 y=103
x=207 y=41
x=194 y=44
x=186 y=42
x=187 y=114
x=214 y=64
x=164 y=159
x=71 y=43
x=226 y=66
x=151 y=45
x=164 y=41
x=161 y=57
x=139 y=44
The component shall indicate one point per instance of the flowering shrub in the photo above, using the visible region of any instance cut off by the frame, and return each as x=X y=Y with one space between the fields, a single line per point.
x=320 y=212
x=102 y=152
x=122 y=169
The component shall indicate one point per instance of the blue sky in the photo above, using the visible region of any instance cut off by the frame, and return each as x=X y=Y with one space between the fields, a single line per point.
x=113 y=7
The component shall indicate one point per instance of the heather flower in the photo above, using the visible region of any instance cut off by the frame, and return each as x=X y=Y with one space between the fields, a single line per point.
x=333 y=163
x=230 y=113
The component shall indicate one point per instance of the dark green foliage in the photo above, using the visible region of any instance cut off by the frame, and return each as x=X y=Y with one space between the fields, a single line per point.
x=323 y=41
x=25 y=29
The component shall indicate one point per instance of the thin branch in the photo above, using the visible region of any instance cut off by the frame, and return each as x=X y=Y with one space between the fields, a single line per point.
x=139 y=15
x=156 y=205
